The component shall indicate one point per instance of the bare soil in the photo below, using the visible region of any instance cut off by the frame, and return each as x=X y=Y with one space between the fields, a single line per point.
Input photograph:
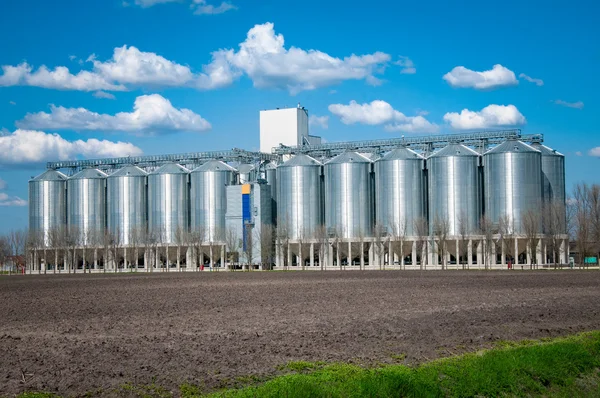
x=80 y=333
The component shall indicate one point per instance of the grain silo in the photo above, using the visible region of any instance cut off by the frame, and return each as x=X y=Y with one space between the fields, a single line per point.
x=168 y=203
x=47 y=206
x=86 y=204
x=400 y=200
x=299 y=197
x=127 y=201
x=455 y=197
x=348 y=196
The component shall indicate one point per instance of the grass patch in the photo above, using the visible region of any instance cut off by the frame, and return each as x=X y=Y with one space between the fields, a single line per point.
x=565 y=367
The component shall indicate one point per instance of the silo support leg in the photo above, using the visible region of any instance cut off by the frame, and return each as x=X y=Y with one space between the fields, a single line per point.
x=516 y=252
x=312 y=255
x=362 y=255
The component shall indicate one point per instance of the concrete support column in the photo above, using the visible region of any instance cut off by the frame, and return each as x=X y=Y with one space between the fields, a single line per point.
x=371 y=255
x=493 y=259
x=362 y=255
x=414 y=255
x=516 y=251
x=289 y=255
x=338 y=256
x=430 y=251
x=223 y=256
x=312 y=255
x=538 y=253
x=479 y=254
x=545 y=254
x=503 y=255
x=349 y=257
x=457 y=253
x=469 y=253
x=178 y=258
x=125 y=264
x=402 y=265
x=329 y=255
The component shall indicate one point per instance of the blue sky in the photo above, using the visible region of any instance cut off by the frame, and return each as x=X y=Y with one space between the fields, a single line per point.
x=198 y=72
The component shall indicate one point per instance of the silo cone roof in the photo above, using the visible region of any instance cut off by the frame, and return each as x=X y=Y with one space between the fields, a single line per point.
x=402 y=153
x=88 y=174
x=512 y=146
x=454 y=150
x=270 y=166
x=301 y=160
x=546 y=151
x=171 y=168
x=213 y=165
x=245 y=168
x=129 y=171
x=349 y=157
x=50 y=175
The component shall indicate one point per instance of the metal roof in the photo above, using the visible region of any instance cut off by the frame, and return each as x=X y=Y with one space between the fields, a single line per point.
x=213 y=165
x=50 y=175
x=171 y=168
x=402 y=153
x=301 y=160
x=88 y=174
x=455 y=150
x=546 y=151
x=512 y=146
x=129 y=171
x=349 y=157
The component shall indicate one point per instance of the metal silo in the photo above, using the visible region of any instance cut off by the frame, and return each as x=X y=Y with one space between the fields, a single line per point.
x=512 y=183
x=553 y=169
x=208 y=197
x=400 y=198
x=47 y=205
x=168 y=202
x=86 y=204
x=454 y=189
x=299 y=196
x=247 y=173
x=127 y=201
x=348 y=196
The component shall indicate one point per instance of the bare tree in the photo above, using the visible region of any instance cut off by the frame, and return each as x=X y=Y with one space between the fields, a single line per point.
x=135 y=238
x=232 y=246
x=323 y=245
x=5 y=251
x=249 y=248
x=506 y=232
x=422 y=235
x=530 y=222
x=16 y=240
x=72 y=241
x=463 y=239
x=594 y=205
x=397 y=239
x=441 y=230
x=486 y=228
x=197 y=237
x=266 y=239
x=554 y=227
x=180 y=240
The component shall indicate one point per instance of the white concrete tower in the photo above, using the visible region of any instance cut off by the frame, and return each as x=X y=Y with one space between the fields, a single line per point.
x=287 y=126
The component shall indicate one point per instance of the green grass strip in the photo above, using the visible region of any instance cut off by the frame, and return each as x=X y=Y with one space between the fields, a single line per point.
x=564 y=367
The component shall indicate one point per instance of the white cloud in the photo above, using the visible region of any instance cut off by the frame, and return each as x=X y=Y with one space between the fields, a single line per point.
x=576 y=105
x=150 y=3
x=152 y=115
x=408 y=66
x=104 y=94
x=200 y=7
x=12 y=102
x=60 y=78
x=489 y=117
x=320 y=121
x=35 y=147
x=2 y=184
x=6 y=200
x=498 y=76
x=132 y=66
x=380 y=112
x=578 y=153
x=264 y=59
x=537 y=82
x=595 y=152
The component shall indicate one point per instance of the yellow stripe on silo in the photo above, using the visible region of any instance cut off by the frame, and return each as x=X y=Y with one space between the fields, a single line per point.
x=245 y=189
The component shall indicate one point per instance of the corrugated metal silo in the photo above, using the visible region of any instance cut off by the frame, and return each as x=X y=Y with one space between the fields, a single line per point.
x=454 y=190
x=299 y=196
x=47 y=204
x=348 y=196
x=512 y=183
x=400 y=191
x=208 y=197
x=247 y=172
x=86 y=204
x=553 y=169
x=127 y=201
x=168 y=202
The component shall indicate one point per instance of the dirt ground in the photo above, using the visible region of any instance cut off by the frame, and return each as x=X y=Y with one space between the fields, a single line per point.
x=75 y=334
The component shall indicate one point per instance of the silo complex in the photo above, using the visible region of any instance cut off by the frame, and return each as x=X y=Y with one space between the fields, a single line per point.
x=127 y=201
x=512 y=183
x=455 y=197
x=86 y=204
x=348 y=201
x=400 y=200
x=208 y=198
x=299 y=197
x=47 y=206
x=168 y=203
